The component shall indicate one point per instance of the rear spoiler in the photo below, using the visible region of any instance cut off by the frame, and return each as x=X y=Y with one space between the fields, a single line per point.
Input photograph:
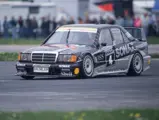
x=137 y=33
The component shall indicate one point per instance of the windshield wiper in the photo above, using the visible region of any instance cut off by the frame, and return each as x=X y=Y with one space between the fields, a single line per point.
x=67 y=38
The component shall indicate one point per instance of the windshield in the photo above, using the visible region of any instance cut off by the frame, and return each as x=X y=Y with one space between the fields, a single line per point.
x=72 y=37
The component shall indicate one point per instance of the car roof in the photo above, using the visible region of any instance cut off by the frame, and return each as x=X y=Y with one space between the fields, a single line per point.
x=98 y=26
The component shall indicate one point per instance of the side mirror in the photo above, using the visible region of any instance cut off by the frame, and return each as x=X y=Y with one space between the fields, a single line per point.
x=141 y=39
x=103 y=44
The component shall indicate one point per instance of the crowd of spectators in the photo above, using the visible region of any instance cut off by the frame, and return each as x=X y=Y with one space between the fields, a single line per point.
x=29 y=28
x=149 y=22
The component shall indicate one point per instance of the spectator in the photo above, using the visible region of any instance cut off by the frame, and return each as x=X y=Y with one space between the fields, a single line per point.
x=43 y=27
x=54 y=24
x=120 y=21
x=80 y=21
x=13 y=24
x=145 y=23
x=0 y=29
x=34 y=27
x=62 y=21
x=48 y=22
x=137 y=22
x=94 y=21
x=87 y=21
x=157 y=24
x=28 y=27
x=128 y=22
x=152 y=28
x=101 y=21
x=6 y=28
x=110 y=20
x=21 y=26
x=71 y=21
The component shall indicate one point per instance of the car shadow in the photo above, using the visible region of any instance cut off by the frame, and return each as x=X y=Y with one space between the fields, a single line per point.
x=94 y=78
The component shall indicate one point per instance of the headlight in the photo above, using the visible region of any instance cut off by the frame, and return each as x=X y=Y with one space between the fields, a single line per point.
x=24 y=57
x=67 y=58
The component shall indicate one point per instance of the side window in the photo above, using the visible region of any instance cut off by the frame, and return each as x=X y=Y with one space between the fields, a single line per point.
x=117 y=36
x=105 y=36
x=125 y=38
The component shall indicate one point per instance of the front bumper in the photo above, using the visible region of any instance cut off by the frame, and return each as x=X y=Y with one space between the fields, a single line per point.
x=147 y=62
x=65 y=70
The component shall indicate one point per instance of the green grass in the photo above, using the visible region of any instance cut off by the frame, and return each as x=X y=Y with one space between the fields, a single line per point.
x=4 y=56
x=127 y=114
x=155 y=55
x=8 y=56
x=151 y=40
x=21 y=41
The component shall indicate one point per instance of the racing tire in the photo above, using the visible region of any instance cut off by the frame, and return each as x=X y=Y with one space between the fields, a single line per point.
x=87 y=67
x=136 y=66
x=28 y=77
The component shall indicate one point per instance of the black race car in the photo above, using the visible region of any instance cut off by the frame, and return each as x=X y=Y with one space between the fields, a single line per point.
x=87 y=50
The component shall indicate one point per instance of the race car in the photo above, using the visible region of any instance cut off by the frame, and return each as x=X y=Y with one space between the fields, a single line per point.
x=87 y=50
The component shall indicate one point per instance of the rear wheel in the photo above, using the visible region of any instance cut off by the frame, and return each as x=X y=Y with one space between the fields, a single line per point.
x=87 y=67
x=136 y=66
x=27 y=77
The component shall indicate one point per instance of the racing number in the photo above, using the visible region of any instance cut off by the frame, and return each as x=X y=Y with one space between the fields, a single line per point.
x=110 y=60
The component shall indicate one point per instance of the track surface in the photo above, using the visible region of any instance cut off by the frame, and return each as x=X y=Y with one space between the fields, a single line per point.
x=72 y=94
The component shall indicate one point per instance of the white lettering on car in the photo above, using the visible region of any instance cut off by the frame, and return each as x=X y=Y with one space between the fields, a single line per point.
x=124 y=50
x=110 y=60
x=64 y=66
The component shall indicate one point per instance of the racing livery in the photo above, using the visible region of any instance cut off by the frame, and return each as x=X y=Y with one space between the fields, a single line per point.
x=87 y=50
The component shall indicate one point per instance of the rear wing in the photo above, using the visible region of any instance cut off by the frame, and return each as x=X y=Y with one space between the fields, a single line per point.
x=137 y=33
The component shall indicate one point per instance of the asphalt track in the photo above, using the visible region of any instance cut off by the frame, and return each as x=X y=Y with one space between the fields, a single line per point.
x=106 y=92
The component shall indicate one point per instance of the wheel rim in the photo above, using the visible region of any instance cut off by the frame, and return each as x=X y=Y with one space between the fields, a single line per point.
x=138 y=64
x=88 y=66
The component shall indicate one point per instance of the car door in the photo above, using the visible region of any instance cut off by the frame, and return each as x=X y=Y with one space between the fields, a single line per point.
x=123 y=49
x=105 y=56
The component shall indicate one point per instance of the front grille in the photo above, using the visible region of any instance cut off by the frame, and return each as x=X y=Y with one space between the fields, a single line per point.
x=43 y=57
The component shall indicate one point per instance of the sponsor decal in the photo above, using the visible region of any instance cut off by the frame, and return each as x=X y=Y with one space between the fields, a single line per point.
x=77 y=29
x=109 y=51
x=20 y=64
x=66 y=74
x=73 y=47
x=64 y=66
x=66 y=46
x=100 y=57
x=124 y=50
x=106 y=59
x=110 y=59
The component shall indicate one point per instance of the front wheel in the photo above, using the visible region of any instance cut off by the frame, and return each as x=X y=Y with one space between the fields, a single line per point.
x=136 y=66
x=27 y=77
x=87 y=66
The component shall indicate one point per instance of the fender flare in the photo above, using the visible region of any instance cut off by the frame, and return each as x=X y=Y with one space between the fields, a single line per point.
x=132 y=58
x=87 y=53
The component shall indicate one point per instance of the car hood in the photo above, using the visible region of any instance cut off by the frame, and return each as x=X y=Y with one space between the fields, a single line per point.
x=60 y=48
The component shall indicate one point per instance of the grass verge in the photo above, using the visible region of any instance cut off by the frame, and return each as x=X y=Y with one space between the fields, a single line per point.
x=21 y=41
x=127 y=114
x=4 y=56
x=151 y=40
x=155 y=55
